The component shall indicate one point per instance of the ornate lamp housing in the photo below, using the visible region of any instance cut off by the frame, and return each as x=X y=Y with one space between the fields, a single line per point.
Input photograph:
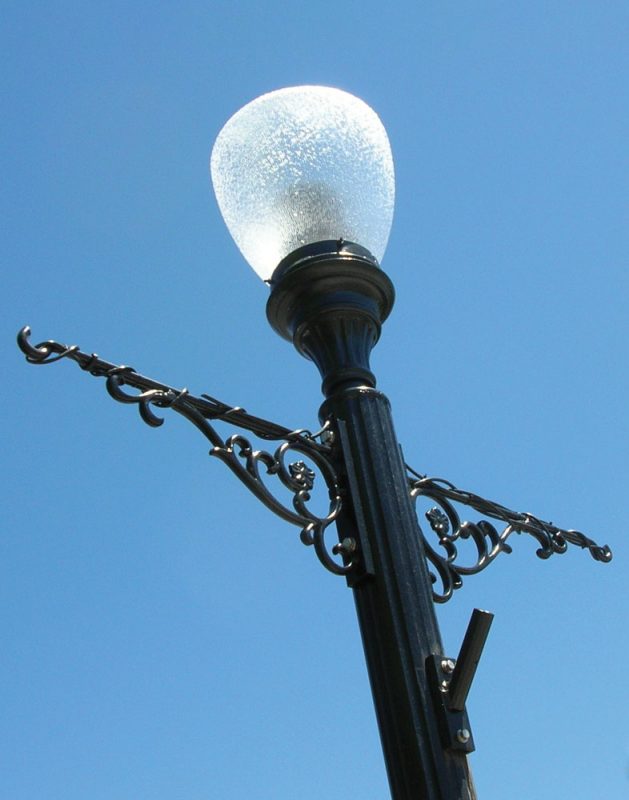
x=304 y=179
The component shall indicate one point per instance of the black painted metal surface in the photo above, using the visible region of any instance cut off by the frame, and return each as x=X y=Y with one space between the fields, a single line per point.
x=330 y=300
x=394 y=605
x=333 y=317
x=467 y=662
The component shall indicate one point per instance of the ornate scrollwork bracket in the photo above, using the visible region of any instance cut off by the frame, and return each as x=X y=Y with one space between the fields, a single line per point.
x=314 y=451
x=248 y=464
x=446 y=523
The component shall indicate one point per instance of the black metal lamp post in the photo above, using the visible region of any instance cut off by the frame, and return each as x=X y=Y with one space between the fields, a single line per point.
x=330 y=298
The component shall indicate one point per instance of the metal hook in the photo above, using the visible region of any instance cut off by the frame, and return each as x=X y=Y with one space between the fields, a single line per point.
x=469 y=656
x=450 y=683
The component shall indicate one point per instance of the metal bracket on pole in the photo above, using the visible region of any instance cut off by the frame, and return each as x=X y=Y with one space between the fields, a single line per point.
x=450 y=682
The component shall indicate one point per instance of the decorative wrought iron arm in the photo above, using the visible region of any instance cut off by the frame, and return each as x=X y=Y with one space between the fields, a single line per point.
x=249 y=465
x=237 y=452
x=50 y=351
x=445 y=521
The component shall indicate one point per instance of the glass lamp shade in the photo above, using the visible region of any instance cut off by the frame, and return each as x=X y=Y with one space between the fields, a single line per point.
x=303 y=165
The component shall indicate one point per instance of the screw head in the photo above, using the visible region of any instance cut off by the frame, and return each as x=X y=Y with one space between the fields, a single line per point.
x=463 y=735
x=327 y=436
x=346 y=547
x=447 y=665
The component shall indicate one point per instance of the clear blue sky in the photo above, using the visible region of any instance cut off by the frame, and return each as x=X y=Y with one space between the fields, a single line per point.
x=166 y=638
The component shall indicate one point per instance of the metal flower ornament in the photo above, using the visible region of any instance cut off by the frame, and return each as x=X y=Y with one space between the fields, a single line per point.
x=305 y=182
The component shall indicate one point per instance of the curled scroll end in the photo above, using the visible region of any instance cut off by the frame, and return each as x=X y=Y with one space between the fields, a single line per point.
x=32 y=353
x=23 y=337
x=601 y=553
x=113 y=384
x=148 y=416
x=44 y=352
x=598 y=552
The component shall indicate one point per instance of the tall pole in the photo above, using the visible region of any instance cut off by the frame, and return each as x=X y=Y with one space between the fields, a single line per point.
x=394 y=605
x=330 y=300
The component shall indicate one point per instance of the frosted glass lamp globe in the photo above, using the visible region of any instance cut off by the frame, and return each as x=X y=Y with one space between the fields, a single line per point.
x=303 y=165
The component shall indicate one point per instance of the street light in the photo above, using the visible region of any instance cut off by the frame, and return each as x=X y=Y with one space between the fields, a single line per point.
x=304 y=180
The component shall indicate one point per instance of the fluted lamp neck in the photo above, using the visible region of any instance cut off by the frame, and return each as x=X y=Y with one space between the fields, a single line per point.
x=330 y=299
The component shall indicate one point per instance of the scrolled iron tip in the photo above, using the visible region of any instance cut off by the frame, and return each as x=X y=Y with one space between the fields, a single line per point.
x=602 y=553
x=44 y=352
x=23 y=343
x=34 y=353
